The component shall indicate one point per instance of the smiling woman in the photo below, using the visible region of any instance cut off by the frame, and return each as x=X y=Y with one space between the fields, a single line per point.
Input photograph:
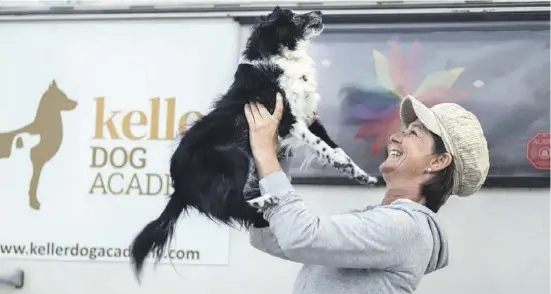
x=386 y=248
x=410 y=153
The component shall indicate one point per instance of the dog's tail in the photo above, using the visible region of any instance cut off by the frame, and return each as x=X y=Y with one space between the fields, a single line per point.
x=154 y=236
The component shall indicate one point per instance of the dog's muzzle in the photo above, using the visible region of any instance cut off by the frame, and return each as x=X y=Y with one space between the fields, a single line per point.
x=314 y=19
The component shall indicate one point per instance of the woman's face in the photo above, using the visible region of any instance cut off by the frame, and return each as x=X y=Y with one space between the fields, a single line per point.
x=410 y=154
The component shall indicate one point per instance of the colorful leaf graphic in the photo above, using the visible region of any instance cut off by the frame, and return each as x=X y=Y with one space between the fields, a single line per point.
x=397 y=76
x=375 y=99
x=380 y=141
x=364 y=113
x=381 y=69
x=434 y=65
x=444 y=79
x=375 y=128
x=404 y=68
x=380 y=130
x=437 y=95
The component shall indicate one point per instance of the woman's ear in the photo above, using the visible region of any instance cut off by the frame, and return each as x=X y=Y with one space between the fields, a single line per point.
x=440 y=162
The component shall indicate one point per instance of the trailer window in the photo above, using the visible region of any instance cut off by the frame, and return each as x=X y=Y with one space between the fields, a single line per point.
x=499 y=71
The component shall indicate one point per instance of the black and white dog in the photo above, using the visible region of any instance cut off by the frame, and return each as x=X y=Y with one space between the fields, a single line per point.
x=212 y=169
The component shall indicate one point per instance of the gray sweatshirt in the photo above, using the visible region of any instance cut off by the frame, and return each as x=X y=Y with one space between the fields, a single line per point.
x=381 y=249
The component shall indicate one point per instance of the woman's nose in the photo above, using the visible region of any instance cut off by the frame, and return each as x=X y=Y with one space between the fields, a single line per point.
x=396 y=138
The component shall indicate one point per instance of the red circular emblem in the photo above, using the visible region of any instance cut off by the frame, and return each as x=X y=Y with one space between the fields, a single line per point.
x=538 y=151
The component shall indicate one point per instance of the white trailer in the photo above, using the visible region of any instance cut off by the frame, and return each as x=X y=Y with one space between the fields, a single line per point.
x=93 y=94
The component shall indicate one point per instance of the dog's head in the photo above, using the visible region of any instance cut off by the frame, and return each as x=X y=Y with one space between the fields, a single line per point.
x=284 y=29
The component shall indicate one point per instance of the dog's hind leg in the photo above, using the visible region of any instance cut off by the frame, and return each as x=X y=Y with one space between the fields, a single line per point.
x=244 y=182
x=328 y=152
x=210 y=181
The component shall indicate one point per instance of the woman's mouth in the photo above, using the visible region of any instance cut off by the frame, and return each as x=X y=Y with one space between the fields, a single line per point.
x=394 y=153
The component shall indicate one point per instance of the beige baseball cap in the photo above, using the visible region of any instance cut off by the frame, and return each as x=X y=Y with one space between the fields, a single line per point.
x=463 y=138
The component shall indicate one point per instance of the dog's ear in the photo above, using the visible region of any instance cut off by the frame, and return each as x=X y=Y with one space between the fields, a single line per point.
x=265 y=20
x=275 y=14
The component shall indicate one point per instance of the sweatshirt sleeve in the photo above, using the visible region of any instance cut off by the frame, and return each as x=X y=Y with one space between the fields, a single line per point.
x=377 y=238
x=262 y=238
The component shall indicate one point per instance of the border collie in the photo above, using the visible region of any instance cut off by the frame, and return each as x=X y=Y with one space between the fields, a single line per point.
x=212 y=169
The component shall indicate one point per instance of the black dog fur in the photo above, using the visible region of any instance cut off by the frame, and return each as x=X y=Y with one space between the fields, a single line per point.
x=213 y=162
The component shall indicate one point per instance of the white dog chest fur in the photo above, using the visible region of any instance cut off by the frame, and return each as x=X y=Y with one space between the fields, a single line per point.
x=299 y=82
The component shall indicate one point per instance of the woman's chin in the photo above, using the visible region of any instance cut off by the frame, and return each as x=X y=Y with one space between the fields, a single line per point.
x=388 y=166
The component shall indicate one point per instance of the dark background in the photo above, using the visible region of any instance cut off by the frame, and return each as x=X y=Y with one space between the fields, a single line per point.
x=511 y=59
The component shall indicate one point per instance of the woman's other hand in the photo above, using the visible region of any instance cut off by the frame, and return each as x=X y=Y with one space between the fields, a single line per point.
x=316 y=117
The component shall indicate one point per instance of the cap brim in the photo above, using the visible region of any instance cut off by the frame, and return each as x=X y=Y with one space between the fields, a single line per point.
x=411 y=110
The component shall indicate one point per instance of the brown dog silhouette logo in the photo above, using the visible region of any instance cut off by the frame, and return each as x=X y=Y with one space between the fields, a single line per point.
x=47 y=123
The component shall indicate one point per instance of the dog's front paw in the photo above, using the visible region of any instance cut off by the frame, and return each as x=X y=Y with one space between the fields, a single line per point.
x=263 y=202
x=353 y=170
x=363 y=178
x=339 y=160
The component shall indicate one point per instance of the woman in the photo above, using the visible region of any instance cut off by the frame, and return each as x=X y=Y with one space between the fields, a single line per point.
x=385 y=248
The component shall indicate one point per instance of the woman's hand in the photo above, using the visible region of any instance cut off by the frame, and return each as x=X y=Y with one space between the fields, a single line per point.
x=263 y=134
x=316 y=117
